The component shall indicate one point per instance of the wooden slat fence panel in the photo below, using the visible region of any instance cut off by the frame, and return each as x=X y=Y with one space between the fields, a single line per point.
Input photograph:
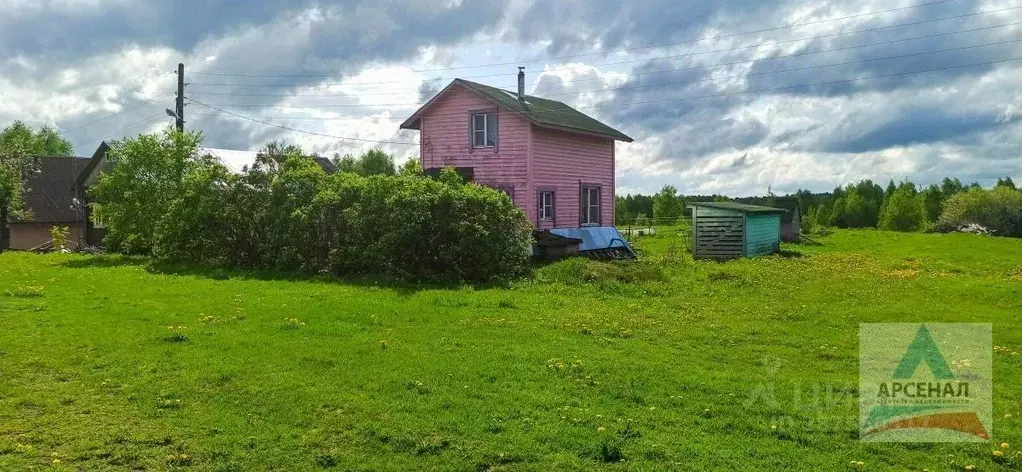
x=719 y=237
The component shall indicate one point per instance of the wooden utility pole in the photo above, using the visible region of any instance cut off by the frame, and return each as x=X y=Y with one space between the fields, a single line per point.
x=180 y=109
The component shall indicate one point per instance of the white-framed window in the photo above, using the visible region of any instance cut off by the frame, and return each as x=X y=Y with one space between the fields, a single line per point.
x=590 y=205
x=546 y=205
x=97 y=216
x=484 y=130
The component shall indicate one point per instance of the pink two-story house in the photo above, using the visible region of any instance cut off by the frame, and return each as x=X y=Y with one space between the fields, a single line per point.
x=556 y=163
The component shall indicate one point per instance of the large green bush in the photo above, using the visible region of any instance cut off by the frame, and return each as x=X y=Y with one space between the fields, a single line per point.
x=902 y=212
x=999 y=209
x=204 y=219
x=421 y=228
x=288 y=214
x=143 y=183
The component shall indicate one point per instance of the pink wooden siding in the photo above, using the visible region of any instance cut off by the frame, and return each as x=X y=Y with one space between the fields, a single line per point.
x=560 y=161
x=445 y=142
x=527 y=159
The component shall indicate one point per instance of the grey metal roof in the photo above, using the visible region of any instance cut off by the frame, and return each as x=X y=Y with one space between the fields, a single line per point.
x=740 y=207
x=51 y=190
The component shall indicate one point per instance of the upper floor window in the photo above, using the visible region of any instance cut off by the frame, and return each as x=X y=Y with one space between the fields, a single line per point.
x=484 y=130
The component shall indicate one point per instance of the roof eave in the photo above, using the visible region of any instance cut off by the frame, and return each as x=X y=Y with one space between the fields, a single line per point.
x=617 y=137
x=757 y=209
x=93 y=162
x=411 y=123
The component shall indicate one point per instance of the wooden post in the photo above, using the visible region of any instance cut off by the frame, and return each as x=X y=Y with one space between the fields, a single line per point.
x=180 y=103
x=695 y=231
x=745 y=234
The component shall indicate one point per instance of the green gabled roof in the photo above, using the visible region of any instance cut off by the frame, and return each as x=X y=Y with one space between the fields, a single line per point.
x=740 y=207
x=541 y=111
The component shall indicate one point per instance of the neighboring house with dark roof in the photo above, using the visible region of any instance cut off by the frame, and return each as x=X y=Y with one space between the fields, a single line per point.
x=556 y=163
x=52 y=199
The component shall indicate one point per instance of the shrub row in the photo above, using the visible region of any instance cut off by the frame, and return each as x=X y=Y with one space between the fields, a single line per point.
x=999 y=209
x=293 y=216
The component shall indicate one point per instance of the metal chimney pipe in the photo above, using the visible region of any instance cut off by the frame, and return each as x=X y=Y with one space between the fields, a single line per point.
x=521 y=84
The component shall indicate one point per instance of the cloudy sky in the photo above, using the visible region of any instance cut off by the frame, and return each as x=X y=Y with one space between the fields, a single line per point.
x=730 y=96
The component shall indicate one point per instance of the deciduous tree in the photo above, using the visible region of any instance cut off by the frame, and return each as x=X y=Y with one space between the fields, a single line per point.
x=666 y=205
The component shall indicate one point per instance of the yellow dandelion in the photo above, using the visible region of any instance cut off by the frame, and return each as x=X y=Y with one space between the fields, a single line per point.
x=1004 y=445
x=998 y=453
x=601 y=429
x=970 y=467
x=56 y=461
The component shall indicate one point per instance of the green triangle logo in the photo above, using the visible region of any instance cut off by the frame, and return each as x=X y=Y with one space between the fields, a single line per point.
x=923 y=349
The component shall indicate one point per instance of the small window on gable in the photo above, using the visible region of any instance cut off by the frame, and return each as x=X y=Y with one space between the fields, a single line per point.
x=484 y=130
x=546 y=206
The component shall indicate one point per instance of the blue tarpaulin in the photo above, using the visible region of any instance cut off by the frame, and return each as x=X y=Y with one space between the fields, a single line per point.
x=593 y=237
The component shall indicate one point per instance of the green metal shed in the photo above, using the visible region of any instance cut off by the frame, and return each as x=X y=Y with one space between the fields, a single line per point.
x=728 y=230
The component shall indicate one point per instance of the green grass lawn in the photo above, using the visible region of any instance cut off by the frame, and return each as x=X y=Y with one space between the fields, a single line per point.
x=107 y=363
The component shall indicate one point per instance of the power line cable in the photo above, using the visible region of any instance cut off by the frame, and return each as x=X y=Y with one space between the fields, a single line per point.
x=124 y=110
x=613 y=105
x=682 y=69
x=675 y=56
x=790 y=87
x=147 y=121
x=706 y=38
x=666 y=84
x=267 y=123
x=152 y=119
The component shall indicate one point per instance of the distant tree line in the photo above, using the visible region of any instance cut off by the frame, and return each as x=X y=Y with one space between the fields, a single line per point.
x=902 y=206
x=905 y=206
x=664 y=207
